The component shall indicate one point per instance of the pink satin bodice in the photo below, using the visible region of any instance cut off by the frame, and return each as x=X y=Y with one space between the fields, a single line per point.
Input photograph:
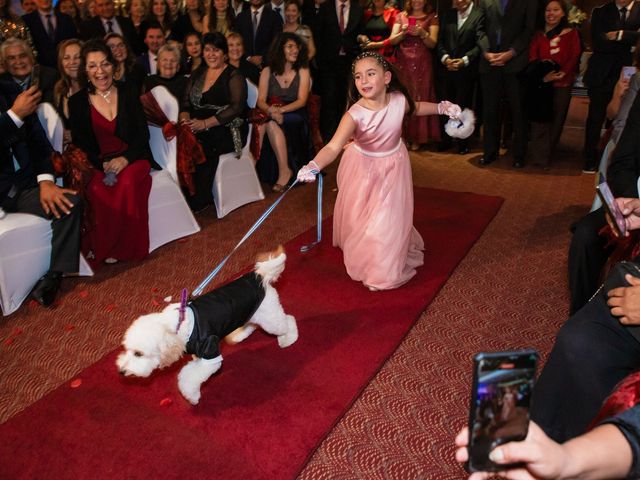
x=379 y=131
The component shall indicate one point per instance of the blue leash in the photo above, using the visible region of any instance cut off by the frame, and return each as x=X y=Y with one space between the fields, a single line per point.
x=260 y=221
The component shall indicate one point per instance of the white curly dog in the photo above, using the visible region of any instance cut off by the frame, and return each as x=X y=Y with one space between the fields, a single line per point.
x=232 y=312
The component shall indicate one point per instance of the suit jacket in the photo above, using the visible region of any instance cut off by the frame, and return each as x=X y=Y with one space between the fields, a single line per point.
x=463 y=42
x=29 y=145
x=47 y=49
x=511 y=29
x=609 y=56
x=624 y=169
x=143 y=61
x=131 y=125
x=47 y=81
x=330 y=40
x=93 y=28
x=269 y=27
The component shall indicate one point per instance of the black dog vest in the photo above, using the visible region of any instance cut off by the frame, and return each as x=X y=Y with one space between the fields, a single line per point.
x=218 y=313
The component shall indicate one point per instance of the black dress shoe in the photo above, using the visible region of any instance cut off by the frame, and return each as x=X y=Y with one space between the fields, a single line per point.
x=518 y=164
x=589 y=167
x=444 y=146
x=484 y=161
x=463 y=150
x=47 y=288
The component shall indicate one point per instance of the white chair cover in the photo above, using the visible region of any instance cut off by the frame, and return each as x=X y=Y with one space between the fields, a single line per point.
x=169 y=215
x=236 y=182
x=25 y=240
x=52 y=125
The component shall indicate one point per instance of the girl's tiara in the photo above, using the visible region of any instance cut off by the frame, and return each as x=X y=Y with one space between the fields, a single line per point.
x=370 y=54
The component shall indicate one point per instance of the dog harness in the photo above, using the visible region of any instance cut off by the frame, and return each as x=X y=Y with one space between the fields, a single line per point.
x=218 y=313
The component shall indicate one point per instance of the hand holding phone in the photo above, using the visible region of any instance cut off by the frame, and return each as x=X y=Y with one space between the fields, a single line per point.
x=618 y=223
x=499 y=410
x=412 y=21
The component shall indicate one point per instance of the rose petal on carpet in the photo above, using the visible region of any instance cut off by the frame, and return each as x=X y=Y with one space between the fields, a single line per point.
x=266 y=411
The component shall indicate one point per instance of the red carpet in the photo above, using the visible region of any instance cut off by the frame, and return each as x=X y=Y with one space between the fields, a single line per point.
x=268 y=409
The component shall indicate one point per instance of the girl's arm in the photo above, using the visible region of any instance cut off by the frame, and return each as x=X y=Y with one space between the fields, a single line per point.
x=303 y=93
x=443 y=108
x=330 y=151
x=263 y=90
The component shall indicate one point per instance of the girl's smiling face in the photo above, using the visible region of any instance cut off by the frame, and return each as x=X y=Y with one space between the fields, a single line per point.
x=370 y=78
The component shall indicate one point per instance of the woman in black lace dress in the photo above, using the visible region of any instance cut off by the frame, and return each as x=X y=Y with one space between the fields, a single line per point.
x=214 y=107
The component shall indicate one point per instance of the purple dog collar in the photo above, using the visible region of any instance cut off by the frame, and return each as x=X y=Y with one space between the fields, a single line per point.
x=182 y=309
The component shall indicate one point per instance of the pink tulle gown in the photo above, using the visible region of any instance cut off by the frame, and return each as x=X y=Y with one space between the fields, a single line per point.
x=373 y=217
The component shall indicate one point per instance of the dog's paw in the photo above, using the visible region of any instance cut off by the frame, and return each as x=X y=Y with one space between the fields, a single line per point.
x=192 y=397
x=291 y=336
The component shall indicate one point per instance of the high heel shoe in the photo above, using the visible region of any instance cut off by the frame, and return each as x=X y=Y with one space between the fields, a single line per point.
x=279 y=188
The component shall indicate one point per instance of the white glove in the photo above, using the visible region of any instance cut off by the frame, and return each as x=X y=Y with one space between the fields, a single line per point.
x=449 y=109
x=308 y=172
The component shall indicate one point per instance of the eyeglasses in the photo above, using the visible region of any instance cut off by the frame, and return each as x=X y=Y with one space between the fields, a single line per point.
x=92 y=67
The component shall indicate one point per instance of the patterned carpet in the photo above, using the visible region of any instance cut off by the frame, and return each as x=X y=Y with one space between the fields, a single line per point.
x=509 y=292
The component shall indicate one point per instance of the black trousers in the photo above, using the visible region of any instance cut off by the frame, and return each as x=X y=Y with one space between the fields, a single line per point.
x=592 y=353
x=65 y=240
x=496 y=83
x=587 y=256
x=335 y=79
x=599 y=98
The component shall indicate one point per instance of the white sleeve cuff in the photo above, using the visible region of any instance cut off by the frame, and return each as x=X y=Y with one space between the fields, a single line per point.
x=43 y=177
x=444 y=58
x=465 y=59
x=16 y=119
x=619 y=37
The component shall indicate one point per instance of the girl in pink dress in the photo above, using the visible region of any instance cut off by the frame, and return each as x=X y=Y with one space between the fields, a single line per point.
x=373 y=216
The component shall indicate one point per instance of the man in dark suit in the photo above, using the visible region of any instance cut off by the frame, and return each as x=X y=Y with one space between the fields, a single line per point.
x=48 y=29
x=509 y=26
x=106 y=21
x=27 y=186
x=588 y=251
x=458 y=50
x=19 y=62
x=339 y=23
x=258 y=26
x=153 y=39
x=614 y=32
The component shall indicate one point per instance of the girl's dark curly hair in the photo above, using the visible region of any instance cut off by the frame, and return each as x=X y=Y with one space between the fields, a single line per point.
x=276 y=55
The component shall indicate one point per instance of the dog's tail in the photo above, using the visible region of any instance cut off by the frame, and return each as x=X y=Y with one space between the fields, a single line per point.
x=270 y=265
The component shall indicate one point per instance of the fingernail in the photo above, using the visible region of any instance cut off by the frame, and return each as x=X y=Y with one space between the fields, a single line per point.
x=496 y=455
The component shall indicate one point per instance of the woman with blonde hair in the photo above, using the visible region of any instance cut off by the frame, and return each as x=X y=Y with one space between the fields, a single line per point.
x=69 y=61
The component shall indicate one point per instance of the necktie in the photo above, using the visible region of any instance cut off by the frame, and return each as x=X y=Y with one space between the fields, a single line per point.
x=341 y=19
x=51 y=31
x=504 y=4
x=255 y=23
x=277 y=10
x=109 y=26
x=623 y=17
x=25 y=83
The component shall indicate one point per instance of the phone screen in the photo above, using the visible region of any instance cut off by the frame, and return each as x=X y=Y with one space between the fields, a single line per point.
x=628 y=72
x=499 y=410
x=611 y=206
x=412 y=21
x=35 y=76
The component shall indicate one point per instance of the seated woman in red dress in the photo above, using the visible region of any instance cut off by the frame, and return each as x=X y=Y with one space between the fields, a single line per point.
x=107 y=122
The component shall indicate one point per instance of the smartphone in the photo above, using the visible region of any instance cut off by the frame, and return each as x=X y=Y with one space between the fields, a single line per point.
x=499 y=409
x=610 y=205
x=35 y=76
x=412 y=21
x=628 y=72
